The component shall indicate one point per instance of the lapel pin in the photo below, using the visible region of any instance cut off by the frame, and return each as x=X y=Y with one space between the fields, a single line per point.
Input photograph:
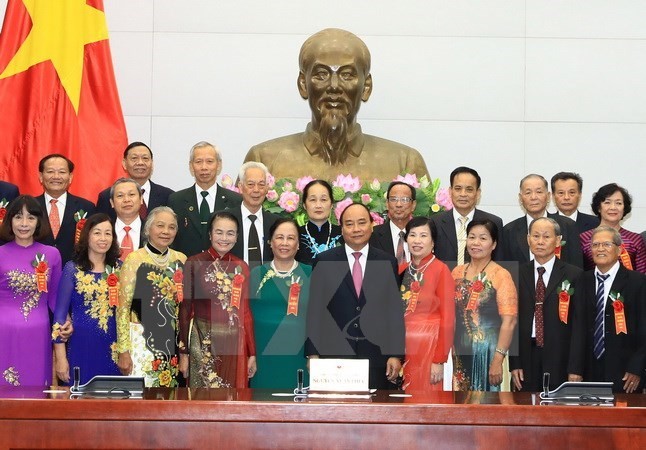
x=190 y=208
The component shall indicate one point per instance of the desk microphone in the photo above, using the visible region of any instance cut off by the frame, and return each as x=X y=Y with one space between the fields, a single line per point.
x=546 y=384
x=299 y=381
x=77 y=377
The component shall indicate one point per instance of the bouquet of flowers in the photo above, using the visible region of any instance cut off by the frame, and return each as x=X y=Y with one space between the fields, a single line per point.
x=285 y=195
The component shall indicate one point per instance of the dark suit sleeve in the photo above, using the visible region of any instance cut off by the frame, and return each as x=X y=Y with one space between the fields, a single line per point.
x=637 y=363
x=578 y=303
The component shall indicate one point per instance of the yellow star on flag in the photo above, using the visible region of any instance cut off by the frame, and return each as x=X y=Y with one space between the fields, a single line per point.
x=60 y=30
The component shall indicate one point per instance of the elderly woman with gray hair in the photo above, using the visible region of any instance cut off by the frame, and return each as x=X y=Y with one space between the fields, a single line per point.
x=150 y=291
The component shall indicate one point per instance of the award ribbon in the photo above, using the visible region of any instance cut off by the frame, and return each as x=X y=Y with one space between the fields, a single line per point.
x=415 y=287
x=113 y=292
x=79 y=216
x=178 y=279
x=620 y=315
x=476 y=289
x=625 y=258
x=294 y=294
x=236 y=290
x=565 y=291
x=40 y=267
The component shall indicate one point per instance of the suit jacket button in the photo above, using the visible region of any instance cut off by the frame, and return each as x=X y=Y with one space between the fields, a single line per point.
x=358 y=308
x=356 y=325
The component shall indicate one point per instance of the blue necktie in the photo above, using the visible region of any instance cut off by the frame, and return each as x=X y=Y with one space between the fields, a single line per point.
x=599 y=318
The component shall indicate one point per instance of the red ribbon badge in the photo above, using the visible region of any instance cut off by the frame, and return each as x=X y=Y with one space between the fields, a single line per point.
x=624 y=257
x=476 y=289
x=557 y=251
x=292 y=302
x=178 y=279
x=236 y=290
x=3 y=213
x=564 y=306
x=41 y=276
x=620 y=316
x=415 y=287
x=113 y=297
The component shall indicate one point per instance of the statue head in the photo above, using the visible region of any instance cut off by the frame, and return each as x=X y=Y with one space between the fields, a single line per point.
x=335 y=78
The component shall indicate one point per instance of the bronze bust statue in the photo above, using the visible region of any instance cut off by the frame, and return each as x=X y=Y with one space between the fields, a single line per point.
x=335 y=78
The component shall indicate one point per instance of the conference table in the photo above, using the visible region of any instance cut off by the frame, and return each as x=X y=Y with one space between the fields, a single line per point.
x=247 y=418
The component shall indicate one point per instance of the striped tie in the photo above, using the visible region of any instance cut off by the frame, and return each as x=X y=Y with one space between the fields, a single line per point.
x=599 y=318
x=462 y=238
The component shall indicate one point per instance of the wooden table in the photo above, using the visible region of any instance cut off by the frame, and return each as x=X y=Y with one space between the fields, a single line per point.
x=244 y=418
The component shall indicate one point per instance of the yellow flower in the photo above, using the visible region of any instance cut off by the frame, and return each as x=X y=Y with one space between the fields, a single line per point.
x=435 y=207
x=56 y=330
x=165 y=378
x=406 y=295
x=219 y=275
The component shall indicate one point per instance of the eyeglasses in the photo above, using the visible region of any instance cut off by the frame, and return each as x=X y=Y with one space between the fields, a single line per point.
x=403 y=200
x=605 y=245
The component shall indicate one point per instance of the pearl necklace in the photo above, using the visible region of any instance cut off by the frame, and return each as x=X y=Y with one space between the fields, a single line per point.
x=419 y=269
x=283 y=274
x=163 y=261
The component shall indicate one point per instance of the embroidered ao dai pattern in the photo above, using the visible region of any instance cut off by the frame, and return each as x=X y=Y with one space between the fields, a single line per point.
x=216 y=321
x=25 y=331
x=314 y=240
x=93 y=345
x=429 y=320
x=280 y=337
x=476 y=331
x=147 y=315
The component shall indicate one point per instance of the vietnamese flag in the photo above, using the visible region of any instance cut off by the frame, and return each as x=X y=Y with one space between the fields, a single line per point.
x=58 y=94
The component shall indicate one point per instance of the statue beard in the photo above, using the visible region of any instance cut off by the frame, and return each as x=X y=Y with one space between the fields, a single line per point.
x=333 y=131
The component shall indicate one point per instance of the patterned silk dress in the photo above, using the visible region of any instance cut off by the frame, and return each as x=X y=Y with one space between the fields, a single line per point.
x=314 y=240
x=93 y=345
x=147 y=314
x=477 y=330
x=26 y=355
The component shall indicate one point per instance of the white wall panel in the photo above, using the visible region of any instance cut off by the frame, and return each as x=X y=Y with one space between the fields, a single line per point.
x=132 y=59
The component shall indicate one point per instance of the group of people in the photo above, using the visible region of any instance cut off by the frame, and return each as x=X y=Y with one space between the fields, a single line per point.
x=204 y=287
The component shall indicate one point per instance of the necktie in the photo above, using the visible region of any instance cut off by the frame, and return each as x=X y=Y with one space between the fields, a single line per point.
x=357 y=275
x=254 y=255
x=538 y=308
x=400 y=255
x=599 y=346
x=205 y=212
x=126 y=243
x=462 y=238
x=54 y=218
x=143 y=209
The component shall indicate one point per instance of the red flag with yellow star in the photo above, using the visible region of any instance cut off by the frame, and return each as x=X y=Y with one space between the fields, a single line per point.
x=58 y=94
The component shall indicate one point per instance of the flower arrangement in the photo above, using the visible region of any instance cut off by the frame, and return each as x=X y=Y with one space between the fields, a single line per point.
x=285 y=195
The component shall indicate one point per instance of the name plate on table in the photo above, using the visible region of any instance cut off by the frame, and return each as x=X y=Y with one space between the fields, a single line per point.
x=339 y=375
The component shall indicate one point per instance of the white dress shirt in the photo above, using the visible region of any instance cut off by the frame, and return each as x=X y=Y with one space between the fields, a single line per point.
x=394 y=235
x=135 y=231
x=363 y=259
x=607 y=284
x=210 y=199
x=246 y=224
x=62 y=201
x=549 y=265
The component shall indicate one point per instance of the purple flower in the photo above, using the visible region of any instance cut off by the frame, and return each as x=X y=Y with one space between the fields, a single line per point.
x=340 y=206
x=289 y=201
x=377 y=218
x=272 y=195
x=302 y=182
x=409 y=178
x=348 y=183
x=443 y=198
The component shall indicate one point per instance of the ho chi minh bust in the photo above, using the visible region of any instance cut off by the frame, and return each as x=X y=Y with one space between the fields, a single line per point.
x=335 y=78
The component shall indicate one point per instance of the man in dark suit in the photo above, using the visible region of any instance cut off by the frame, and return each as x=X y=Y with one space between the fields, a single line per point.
x=55 y=174
x=534 y=196
x=8 y=191
x=465 y=195
x=389 y=236
x=566 y=192
x=125 y=199
x=547 y=291
x=252 y=244
x=609 y=336
x=138 y=164
x=355 y=306
x=194 y=205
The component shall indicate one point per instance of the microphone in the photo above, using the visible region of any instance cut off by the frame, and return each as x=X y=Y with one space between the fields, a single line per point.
x=546 y=384
x=77 y=377
x=299 y=381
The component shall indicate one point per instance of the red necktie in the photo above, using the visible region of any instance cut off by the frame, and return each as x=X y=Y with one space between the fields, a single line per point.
x=357 y=275
x=126 y=244
x=54 y=218
x=143 y=209
x=538 y=307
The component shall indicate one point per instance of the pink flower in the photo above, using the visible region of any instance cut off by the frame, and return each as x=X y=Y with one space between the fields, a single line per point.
x=409 y=178
x=226 y=181
x=348 y=183
x=288 y=186
x=289 y=201
x=302 y=182
x=378 y=219
x=443 y=198
x=375 y=185
x=365 y=199
x=272 y=195
x=270 y=180
x=340 y=206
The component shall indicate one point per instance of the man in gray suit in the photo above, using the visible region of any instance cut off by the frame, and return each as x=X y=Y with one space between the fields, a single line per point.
x=465 y=194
